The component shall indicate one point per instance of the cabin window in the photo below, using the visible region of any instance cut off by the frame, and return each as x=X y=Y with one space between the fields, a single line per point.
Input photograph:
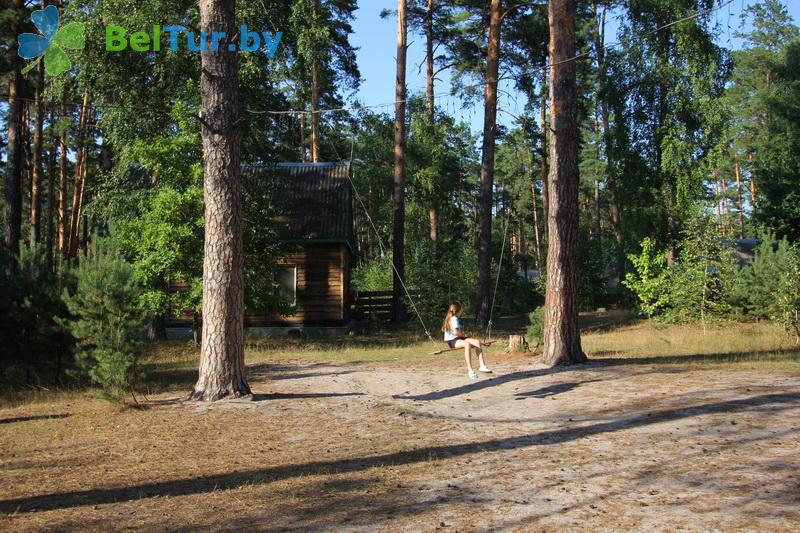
x=286 y=278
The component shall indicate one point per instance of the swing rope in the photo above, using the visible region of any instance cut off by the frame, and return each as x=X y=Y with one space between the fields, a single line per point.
x=383 y=248
x=496 y=282
x=358 y=197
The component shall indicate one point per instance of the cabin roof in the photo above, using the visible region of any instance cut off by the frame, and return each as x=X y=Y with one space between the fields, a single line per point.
x=314 y=200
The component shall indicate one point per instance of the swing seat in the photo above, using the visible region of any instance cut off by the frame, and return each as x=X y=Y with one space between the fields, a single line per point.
x=445 y=350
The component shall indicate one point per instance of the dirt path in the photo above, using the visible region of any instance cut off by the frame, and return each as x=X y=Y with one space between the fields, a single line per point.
x=391 y=447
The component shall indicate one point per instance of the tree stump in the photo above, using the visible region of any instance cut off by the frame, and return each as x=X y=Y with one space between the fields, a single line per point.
x=517 y=343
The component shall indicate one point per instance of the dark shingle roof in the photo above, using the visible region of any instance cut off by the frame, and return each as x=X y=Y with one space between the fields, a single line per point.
x=313 y=200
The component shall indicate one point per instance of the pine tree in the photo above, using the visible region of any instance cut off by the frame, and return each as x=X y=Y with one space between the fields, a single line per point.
x=107 y=320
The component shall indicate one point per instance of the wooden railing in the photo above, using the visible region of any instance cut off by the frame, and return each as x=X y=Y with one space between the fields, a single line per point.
x=376 y=305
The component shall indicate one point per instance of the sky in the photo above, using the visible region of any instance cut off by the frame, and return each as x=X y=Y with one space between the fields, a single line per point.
x=377 y=42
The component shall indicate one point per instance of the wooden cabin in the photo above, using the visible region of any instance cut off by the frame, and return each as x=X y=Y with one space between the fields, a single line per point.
x=315 y=217
x=316 y=214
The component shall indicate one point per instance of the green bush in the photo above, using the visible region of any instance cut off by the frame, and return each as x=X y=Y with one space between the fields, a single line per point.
x=703 y=279
x=769 y=288
x=535 y=333
x=649 y=281
x=107 y=319
x=789 y=315
x=592 y=275
x=36 y=346
x=439 y=280
x=705 y=284
x=374 y=275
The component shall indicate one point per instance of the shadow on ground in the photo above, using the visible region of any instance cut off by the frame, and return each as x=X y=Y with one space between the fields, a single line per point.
x=554 y=390
x=232 y=480
x=170 y=376
x=29 y=418
x=301 y=395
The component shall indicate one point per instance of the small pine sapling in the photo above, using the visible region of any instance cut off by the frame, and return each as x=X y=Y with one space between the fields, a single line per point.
x=107 y=320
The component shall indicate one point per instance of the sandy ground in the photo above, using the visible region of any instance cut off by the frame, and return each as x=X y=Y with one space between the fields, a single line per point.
x=606 y=446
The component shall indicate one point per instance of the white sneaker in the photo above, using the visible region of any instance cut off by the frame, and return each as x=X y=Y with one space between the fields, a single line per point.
x=472 y=374
x=485 y=370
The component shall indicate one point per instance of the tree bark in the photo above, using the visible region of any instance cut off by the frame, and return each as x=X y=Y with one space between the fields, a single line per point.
x=523 y=246
x=717 y=206
x=545 y=169
x=63 y=193
x=672 y=226
x=433 y=218
x=430 y=74
x=222 y=370
x=51 y=192
x=156 y=328
x=751 y=169
x=13 y=177
x=25 y=142
x=597 y=224
x=534 y=211
x=723 y=183
x=611 y=179
x=303 y=156
x=315 y=93
x=516 y=343
x=433 y=215
x=726 y=211
x=487 y=164
x=739 y=196
x=398 y=228
x=80 y=174
x=562 y=340
x=37 y=170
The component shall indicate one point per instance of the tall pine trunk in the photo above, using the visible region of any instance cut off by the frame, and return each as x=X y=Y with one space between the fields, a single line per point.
x=544 y=169
x=302 y=126
x=430 y=74
x=13 y=177
x=562 y=339
x=315 y=93
x=535 y=215
x=63 y=192
x=37 y=172
x=51 y=191
x=222 y=371
x=751 y=169
x=740 y=200
x=611 y=181
x=433 y=214
x=717 y=200
x=398 y=228
x=80 y=177
x=482 y=300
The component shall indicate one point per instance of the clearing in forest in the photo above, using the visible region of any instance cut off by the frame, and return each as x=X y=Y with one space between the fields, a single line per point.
x=664 y=429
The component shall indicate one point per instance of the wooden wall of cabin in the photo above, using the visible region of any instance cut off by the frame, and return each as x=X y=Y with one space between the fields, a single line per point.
x=323 y=277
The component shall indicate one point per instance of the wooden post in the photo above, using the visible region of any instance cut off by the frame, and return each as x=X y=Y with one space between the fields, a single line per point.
x=516 y=343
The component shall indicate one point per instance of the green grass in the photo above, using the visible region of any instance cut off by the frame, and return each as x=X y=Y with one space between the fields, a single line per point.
x=614 y=338
x=731 y=346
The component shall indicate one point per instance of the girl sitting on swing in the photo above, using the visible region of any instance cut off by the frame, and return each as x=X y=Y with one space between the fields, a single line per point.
x=455 y=338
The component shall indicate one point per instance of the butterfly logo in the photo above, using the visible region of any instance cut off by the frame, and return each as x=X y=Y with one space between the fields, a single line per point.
x=51 y=43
